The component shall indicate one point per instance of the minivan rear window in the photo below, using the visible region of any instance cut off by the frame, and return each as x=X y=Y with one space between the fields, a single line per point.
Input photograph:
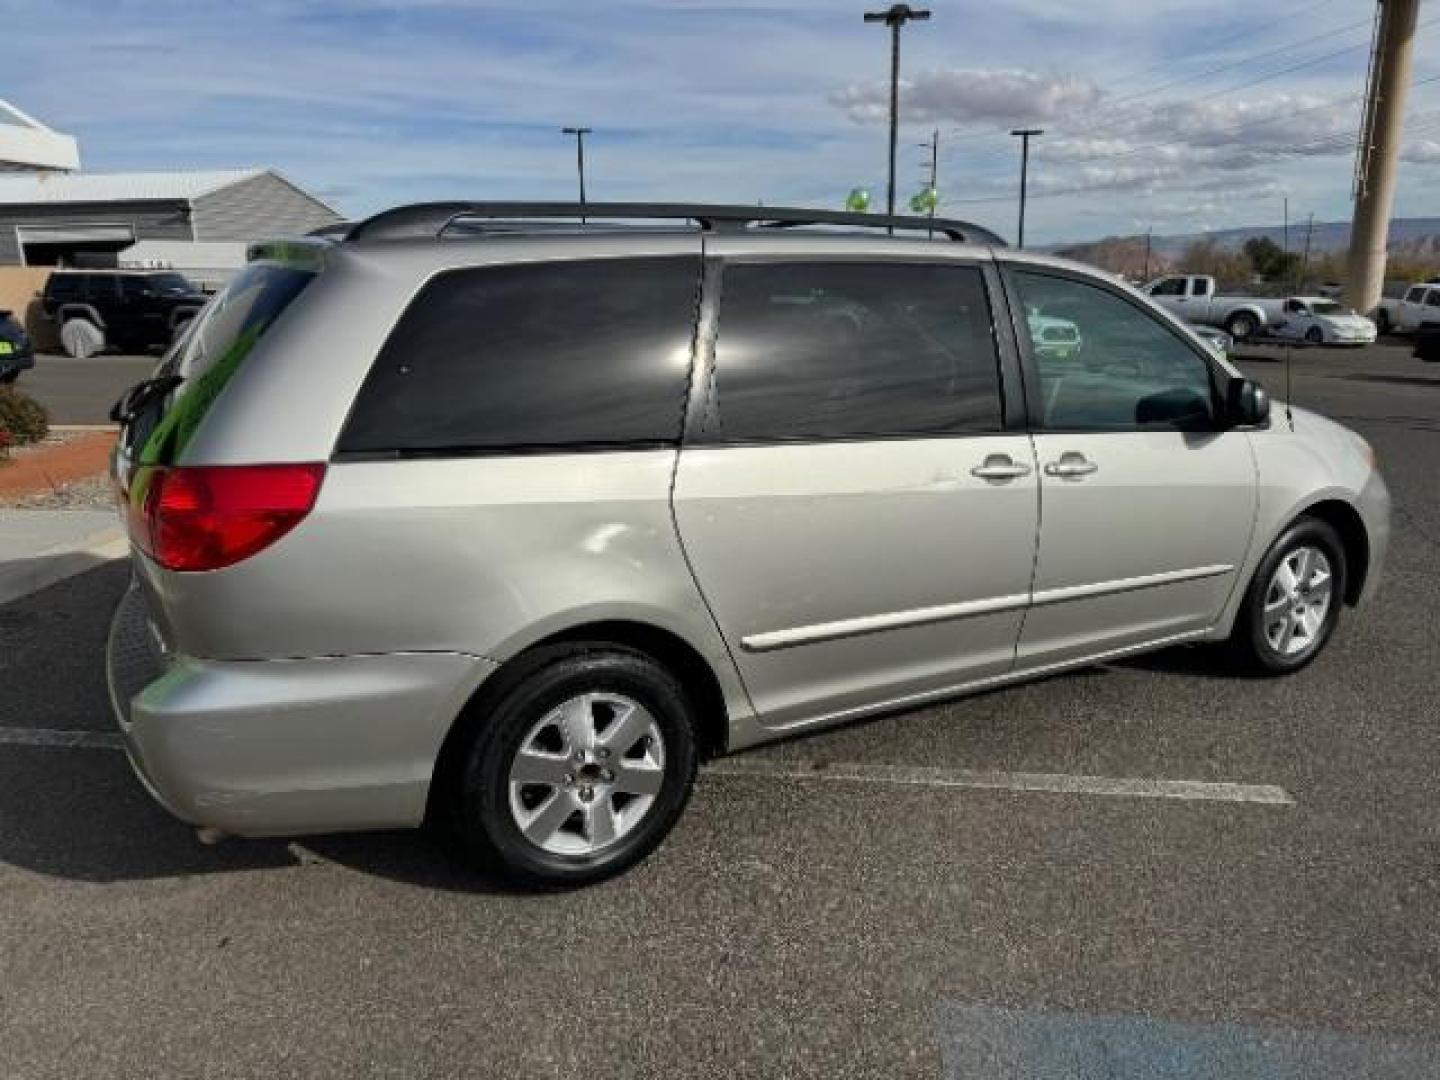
x=586 y=354
x=206 y=358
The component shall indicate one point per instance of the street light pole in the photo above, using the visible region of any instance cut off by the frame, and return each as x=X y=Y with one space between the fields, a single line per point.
x=1025 y=136
x=579 y=133
x=896 y=16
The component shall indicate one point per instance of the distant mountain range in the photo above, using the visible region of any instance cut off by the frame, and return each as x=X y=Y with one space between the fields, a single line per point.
x=1413 y=235
x=1415 y=239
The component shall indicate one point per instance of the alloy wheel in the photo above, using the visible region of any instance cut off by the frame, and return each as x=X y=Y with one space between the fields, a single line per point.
x=1297 y=601
x=586 y=774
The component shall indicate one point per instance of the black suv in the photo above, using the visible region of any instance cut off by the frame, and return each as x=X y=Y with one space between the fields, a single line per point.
x=15 y=352
x=132 y=310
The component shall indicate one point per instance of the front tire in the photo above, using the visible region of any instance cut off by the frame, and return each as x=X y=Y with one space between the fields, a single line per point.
x=1382 y=321
x=9 y=377
x=1315 y=336
x=579 y=769
x=1293 y=602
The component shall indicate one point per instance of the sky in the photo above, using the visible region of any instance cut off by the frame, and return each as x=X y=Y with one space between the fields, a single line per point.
x=1176 y=115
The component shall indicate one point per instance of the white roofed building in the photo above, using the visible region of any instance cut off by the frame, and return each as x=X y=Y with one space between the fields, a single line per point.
x=26 y=143
x=67 y=218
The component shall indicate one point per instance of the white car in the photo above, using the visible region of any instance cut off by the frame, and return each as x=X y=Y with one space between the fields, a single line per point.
x=1321 y=321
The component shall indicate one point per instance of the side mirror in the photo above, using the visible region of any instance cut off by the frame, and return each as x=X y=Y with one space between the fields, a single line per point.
x=1246 y=403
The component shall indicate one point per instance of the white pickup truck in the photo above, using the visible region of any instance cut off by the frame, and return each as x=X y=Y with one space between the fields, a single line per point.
x=1194 y=299
x=1315 y=319
x=1405 y=315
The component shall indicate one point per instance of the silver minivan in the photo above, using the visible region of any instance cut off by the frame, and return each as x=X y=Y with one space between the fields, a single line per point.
x=482 y=515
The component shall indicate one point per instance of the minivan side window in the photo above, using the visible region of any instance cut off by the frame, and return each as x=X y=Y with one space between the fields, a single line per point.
x=553 y=355
x=1104 y=364
x=846 y=350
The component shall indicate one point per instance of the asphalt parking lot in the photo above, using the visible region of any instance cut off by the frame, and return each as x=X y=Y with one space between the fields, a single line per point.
x=82 y=391
x=841 y=905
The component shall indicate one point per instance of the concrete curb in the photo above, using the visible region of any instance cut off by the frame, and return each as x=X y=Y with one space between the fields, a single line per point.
x=45 y=568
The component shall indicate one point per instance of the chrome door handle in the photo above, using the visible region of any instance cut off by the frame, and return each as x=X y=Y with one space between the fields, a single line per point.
x=1000 y=467
x=1070 y=464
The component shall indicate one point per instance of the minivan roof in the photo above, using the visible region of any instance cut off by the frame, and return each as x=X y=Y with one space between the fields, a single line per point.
x=432 y=221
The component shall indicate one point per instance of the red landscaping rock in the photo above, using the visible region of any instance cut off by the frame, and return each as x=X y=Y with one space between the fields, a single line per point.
x=48 y=467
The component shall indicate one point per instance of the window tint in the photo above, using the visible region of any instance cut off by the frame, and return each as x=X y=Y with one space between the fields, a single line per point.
x=1174 y=286
x=208 y=356
x=1433 y=300
x=170 y=284
x=63 y=286
x=1414 y=296
x=100 y=286
x=844 y=350
x=545 y=355
x=1200 y=287
x=1103 y=364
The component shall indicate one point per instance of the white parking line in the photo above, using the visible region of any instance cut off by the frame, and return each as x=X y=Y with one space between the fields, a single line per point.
x=1063 y=783
x=906 y=775
x=65 y=740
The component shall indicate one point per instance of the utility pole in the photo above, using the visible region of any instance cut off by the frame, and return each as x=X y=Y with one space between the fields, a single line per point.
x=1025 y=136
x=934 y=147
x=1285 y=235
x=1149 y=231
x=1379 y=152
x=1305 y=259
x=895 y=17
x=579 y=133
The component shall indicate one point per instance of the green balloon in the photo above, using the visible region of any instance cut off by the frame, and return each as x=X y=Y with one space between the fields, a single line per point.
x=858 y=201
x=925 y=201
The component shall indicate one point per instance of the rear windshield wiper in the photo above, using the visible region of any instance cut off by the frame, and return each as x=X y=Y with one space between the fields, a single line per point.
x=140 y=395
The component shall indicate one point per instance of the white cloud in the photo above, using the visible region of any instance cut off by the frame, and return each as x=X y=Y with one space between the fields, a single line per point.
x=1422 y=152
x=966 y=95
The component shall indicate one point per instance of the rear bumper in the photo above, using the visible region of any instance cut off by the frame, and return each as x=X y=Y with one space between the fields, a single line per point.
x=283 y=747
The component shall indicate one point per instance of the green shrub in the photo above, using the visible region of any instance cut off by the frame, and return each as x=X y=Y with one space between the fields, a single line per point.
x=23 y=417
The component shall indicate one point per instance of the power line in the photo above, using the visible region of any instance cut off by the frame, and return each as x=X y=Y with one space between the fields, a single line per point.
x=1284 y=21
x=1231 y=129
x=1425 y=127
x=1101 y=117
x=1287 y=47
x=1095 y=123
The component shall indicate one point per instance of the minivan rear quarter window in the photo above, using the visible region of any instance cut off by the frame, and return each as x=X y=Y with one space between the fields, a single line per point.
x=545 y=356
x=207 y=358
x=846 y=350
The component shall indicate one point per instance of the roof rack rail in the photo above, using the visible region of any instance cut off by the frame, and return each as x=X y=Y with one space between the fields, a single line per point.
x=428 y=221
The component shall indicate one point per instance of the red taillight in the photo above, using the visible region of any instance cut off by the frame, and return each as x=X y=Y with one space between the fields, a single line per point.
x=204 y=517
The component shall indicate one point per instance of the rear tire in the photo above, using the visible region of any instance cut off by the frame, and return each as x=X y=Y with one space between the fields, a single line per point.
x=1382 y=321
x=8 y=379
x=1241 y=326
x=1315 y=336
x=578 y=770
x=81 y=338
x=1293 y=602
